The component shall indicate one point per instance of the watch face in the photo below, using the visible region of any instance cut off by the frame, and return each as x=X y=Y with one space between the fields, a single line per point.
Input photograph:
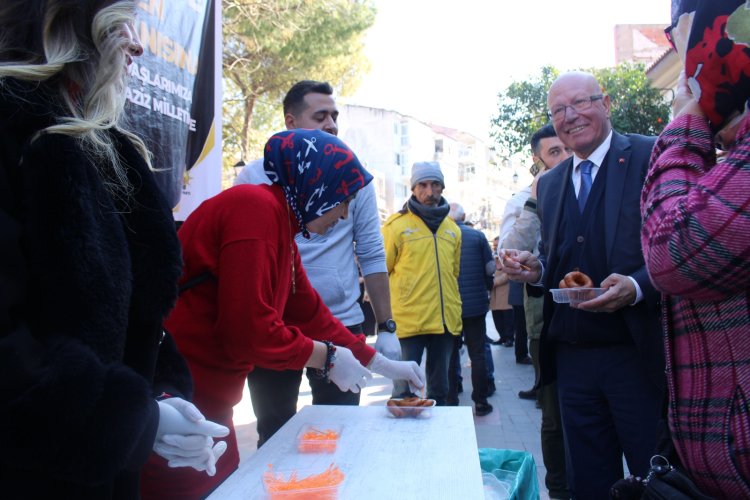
x=388 y=325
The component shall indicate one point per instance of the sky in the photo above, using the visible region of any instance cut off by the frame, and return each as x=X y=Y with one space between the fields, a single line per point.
x=444 y=61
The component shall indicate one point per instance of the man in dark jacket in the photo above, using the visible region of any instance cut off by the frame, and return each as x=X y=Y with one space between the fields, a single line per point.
x=477 y=265
x=605 y=353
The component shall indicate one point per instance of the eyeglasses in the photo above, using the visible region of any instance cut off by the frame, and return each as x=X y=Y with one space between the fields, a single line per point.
x=580 y=104
x=668 y=35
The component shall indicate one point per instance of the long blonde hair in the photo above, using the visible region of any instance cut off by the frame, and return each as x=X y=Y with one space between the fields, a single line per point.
x=89 y=77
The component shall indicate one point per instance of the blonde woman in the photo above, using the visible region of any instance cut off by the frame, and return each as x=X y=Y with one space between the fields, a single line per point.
x=89 y=262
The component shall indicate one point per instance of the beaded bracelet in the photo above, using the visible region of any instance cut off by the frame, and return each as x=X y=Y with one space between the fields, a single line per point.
x=323 y=373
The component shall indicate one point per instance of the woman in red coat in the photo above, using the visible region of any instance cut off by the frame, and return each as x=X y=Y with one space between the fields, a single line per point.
x=254 y=304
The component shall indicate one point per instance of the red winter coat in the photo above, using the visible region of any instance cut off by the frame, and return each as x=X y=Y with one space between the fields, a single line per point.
x=249 y=315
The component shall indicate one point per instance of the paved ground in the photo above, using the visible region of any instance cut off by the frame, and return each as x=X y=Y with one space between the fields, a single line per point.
x=514 y=424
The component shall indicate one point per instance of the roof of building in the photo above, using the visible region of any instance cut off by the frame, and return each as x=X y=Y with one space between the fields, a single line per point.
x=660 y=59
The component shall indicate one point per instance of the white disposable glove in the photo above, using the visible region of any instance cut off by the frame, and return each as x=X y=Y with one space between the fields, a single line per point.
x=184 y=436
x=177 y=416
x=348 y=373
x=388 y=345
x=196 y=451
x=399 y=370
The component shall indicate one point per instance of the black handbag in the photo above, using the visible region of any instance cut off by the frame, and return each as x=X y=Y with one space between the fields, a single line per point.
x=666 y=482
x=663 y=482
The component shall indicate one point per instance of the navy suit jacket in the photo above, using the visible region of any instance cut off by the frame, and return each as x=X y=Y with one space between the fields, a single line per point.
x=626 y=166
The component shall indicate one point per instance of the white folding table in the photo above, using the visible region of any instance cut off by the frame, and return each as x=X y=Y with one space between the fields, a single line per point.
x=382 y=457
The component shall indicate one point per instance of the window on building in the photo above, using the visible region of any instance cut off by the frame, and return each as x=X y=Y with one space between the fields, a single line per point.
x=380 y=187
x=402 y=160
x=401 y=191
x=404 y=134
x=383 y=213
x=466 y=172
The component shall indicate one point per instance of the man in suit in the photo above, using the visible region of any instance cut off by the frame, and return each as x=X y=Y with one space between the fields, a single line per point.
x=605 y=353
x=547 y=152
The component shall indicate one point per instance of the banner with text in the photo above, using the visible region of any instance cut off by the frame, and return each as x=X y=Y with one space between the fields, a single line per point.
x=174 y=97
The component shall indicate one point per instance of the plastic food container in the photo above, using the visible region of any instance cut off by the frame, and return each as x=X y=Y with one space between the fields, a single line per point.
x=320 y=493
x=575 y=295
x=303 y=484
x=322 y=438
x=411 y=411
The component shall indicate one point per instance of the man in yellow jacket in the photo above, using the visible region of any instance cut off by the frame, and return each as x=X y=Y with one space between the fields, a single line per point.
x=423 y=255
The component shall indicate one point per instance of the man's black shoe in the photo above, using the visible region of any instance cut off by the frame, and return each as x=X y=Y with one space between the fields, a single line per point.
x=525 y=361
x=508 y=343
x=482 y=409
x=530 y=394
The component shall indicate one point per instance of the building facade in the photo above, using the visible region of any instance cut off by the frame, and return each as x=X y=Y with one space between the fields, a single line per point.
x=388 y=143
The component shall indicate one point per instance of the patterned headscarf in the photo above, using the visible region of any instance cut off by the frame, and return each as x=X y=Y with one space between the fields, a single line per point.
x=717 y=57
x=316 y=170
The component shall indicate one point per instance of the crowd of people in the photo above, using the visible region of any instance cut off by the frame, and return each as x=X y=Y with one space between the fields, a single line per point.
x=125 y=344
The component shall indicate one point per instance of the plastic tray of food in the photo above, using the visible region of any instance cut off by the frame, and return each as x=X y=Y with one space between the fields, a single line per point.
x=410 y=407
x=575 y=295
x=303 y=484
x=318 y=438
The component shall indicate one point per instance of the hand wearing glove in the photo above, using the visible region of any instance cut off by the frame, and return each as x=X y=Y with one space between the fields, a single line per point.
x=177 y=416
x=348 y=373
x=388 y=345
x=196 y=451
x=183 y=437
x=399 y=370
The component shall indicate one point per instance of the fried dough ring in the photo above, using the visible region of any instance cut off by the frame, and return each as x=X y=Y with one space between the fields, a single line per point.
x=398 y=407
x=411 y=401
x=576 y=279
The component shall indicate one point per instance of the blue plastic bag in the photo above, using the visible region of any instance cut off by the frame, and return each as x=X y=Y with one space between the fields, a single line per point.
x=526 y=486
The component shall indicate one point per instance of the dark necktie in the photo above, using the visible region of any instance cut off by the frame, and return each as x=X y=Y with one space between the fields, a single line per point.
x=583 y=192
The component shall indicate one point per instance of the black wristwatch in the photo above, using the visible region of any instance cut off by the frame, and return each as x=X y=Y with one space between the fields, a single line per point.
x=387 y=326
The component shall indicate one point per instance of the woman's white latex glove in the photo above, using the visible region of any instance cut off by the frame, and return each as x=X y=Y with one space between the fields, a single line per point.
x=184 y=436
x=196 y=451
x=177 y=416
x=399 y=370
x=348 y=373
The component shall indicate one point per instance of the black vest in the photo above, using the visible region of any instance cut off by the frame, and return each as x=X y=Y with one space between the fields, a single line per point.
x=581 y=246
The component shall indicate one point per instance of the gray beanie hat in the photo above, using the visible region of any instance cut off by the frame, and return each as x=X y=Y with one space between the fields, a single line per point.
x=426 y=171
